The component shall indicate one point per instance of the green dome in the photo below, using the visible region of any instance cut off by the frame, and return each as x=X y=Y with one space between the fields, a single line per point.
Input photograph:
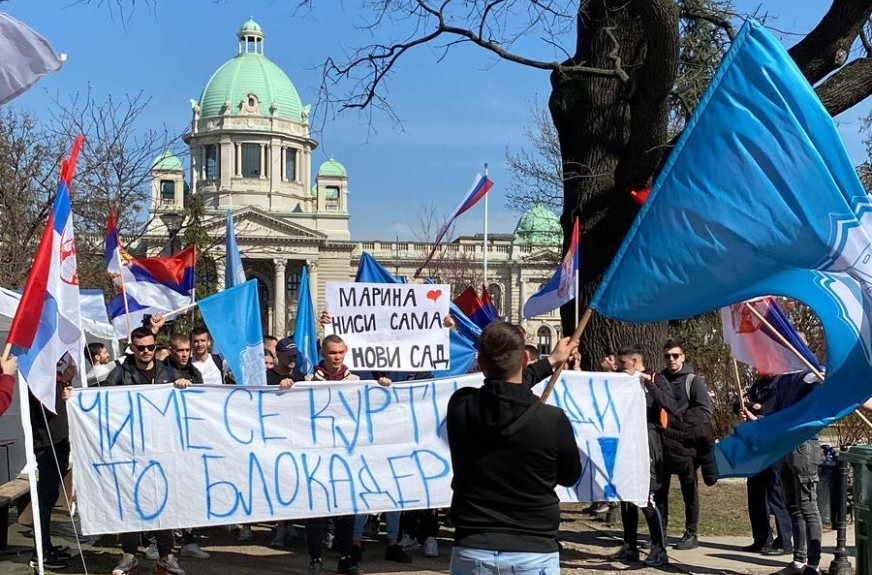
x=539 y=226
x=332 y=168
x=167 y=162
x=251 y=26
x=251 y=73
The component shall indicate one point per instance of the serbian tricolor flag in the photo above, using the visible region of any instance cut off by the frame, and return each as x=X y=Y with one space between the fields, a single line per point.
x=479 y=309
x=48 y=322
x=480 y=187
x=562 y=286
x=752 y=342
x=151 y=285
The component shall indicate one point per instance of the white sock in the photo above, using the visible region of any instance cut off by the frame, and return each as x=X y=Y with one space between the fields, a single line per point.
x=798 y=564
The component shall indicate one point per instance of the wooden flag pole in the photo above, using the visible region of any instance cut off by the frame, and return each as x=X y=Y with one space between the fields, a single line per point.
x=575 y=337
x=738 y=381
x=817 y=373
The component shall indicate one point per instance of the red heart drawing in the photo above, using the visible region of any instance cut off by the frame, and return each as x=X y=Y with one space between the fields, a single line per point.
x=434 y=294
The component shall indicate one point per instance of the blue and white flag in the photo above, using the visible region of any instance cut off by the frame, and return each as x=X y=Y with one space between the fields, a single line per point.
x=305 y=330
x=234 y=274
x=233 y=319
x=562 y=286
x=758 y=197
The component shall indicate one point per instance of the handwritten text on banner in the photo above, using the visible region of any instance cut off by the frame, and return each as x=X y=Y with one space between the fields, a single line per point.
x=155 y=457
x=391 y=327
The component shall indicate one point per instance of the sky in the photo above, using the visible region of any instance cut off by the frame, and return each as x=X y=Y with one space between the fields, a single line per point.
x=457 y=112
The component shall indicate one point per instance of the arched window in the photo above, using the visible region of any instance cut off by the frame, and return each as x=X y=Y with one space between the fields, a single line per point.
x=544 y=340
x=496 y=295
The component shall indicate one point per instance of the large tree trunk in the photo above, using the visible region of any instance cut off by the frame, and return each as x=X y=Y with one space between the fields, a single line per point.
x=611 y=136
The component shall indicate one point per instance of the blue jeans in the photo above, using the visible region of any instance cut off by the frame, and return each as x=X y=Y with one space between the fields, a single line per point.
x=392 y=519
x=468 y=561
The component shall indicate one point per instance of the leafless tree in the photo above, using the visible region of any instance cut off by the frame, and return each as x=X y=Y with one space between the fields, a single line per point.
x=613 y=86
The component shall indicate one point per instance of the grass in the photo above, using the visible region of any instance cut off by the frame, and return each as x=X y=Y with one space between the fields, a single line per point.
x=723 y=509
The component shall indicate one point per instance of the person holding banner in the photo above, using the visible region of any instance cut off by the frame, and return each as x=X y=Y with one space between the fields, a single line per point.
x=7 y=382
x=142 y=369
x=509 y=452
x=283 y=372
x=660 y=405
x=331 y=368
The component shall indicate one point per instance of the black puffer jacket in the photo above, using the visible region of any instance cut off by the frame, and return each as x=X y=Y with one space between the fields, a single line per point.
x=688 y=439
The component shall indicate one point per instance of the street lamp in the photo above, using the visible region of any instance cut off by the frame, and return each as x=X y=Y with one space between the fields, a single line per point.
x=173 y=222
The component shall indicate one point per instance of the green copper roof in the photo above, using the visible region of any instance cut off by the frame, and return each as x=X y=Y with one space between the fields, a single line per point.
x=539 y=226
x=250 y=73
x=251 y=26
x=332 y=168
x=168 y=163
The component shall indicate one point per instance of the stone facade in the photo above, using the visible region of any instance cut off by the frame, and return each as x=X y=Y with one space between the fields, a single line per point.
x=252 y=156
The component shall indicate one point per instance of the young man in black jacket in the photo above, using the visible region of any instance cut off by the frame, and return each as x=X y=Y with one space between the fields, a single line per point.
x=687 y=441
x=509 y=452
x=659 y=406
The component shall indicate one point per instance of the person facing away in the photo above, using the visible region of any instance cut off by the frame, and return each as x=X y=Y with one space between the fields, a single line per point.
x=509 y=452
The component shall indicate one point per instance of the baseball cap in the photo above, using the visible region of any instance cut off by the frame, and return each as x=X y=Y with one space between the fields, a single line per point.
x=287 y=346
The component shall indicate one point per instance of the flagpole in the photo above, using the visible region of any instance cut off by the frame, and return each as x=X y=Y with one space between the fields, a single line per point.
x=575 y=337
x=738 y=381
x=485 y=230
x=126 y=307
x=182 y=309
x=577 y=290
x=799 y=356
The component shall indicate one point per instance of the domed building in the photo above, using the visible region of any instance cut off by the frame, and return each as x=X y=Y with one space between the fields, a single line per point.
x=251 y=154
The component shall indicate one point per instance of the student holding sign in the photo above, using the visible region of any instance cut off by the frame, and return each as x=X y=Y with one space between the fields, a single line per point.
x=332 y=368
x=509 y=452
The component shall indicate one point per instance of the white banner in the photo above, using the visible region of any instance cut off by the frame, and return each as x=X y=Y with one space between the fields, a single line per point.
x=391 y=327
x=156 y=457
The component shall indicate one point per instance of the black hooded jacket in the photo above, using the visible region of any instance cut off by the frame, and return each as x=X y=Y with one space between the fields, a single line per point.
x=509 y=452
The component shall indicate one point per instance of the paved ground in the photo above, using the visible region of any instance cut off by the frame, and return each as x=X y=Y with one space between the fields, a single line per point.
x=587 y=545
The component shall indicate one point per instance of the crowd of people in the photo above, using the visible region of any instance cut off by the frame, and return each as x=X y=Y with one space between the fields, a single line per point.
x=504 y=509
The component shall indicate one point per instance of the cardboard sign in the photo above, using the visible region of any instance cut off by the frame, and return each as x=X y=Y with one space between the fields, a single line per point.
x=391 y=327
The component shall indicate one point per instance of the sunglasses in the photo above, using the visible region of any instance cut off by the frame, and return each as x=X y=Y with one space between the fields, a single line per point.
x=671 y=355
x=145 y=347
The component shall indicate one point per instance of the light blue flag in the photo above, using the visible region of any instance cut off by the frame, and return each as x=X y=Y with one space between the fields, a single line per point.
x=305 y=330
x=463 y=339
x=234 y=274
x=233 y=319
x=758 y=197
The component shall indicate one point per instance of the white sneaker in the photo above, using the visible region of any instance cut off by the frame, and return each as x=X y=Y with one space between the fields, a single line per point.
x=408 y=544
x=431 y=547
x=245 y=533
x=193 y=550
x=128 y=563
x=168 y=566
x=151 y=553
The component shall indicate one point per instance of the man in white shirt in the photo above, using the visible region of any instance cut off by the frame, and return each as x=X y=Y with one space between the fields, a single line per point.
x=210 y=365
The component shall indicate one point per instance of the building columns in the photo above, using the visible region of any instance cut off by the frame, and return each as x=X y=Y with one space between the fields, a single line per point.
x=220 y=266
x=279 y=327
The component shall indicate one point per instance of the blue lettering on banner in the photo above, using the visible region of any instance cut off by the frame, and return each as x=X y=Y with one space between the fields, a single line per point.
x=153 y=488
x=426 y=479
x=370 y=411
x=353 y=415
x=609 y=449
x=170 y=404
x=188 y=419
x=112 y=467
x=314 y=415
x=279 y=479
x=212 y=486
x=370 y=485
x=264 y=416
x=609 y=407
x=340 y=473
x=310 y=481
x=127 y=422
x=230 y=432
